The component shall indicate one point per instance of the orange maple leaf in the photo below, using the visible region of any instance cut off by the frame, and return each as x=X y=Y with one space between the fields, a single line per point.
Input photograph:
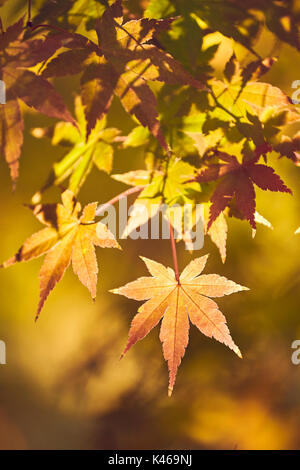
x=177 y=303
x=68 y=236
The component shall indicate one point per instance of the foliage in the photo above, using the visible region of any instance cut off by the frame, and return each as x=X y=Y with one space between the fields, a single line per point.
x=204 y=132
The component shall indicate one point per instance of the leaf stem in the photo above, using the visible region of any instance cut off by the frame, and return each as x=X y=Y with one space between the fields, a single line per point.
x=128 y=192
x=174 y=253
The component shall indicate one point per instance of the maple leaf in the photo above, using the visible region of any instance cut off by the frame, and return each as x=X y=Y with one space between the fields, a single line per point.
x=218 y=15
x=237 y=183
x=243 y=24
x=16 y=56
x=68 y=14
x=176 y=304
x=218 y=230
x=240 y=98
x=259 y=219
x=68 y=236
x=123 y=64
x=83 y=153
x=289 y=147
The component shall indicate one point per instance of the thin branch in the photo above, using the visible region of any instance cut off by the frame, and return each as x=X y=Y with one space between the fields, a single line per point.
x=1 y=27
x=128 y=192
x=236 y=118
x=49 y=26
x=174 y=253
x=29 y=21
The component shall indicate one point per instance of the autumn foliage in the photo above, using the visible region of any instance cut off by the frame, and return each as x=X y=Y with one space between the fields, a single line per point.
x=208 y=136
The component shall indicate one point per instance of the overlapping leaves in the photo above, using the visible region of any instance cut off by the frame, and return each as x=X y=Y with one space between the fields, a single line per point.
x=242 y=23
x=168 y=184
x=16 y=57
x=83 y=152
x=122 y=66
x=221 y=133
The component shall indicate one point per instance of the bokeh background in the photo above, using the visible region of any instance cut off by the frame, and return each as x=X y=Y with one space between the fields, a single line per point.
x=64 y=387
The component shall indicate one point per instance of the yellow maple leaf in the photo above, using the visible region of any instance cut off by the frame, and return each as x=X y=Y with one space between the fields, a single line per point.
x=68 y=236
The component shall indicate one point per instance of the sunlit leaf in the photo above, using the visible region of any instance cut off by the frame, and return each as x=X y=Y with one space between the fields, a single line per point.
x=177 y=303
x=68 y=237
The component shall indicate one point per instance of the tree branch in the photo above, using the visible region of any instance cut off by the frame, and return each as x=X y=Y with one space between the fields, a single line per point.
x=49 y=26
x=128 y=192
x=29 y=21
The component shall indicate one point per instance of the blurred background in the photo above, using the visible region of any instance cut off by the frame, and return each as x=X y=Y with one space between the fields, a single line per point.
x=64 y=387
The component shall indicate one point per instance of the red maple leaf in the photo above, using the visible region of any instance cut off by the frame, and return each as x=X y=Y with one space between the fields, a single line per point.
x=18 y=54
x=122 y=64
x=237 y=182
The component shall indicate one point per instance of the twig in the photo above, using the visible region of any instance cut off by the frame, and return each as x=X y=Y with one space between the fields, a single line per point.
x=236 y=118
x=1 y=27
x=29 y=21
x=128 y=192
x=49 y=26
x=174 y=253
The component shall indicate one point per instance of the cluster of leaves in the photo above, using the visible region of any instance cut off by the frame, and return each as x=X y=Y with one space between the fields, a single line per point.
x=205 y=140
x=83 y=152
